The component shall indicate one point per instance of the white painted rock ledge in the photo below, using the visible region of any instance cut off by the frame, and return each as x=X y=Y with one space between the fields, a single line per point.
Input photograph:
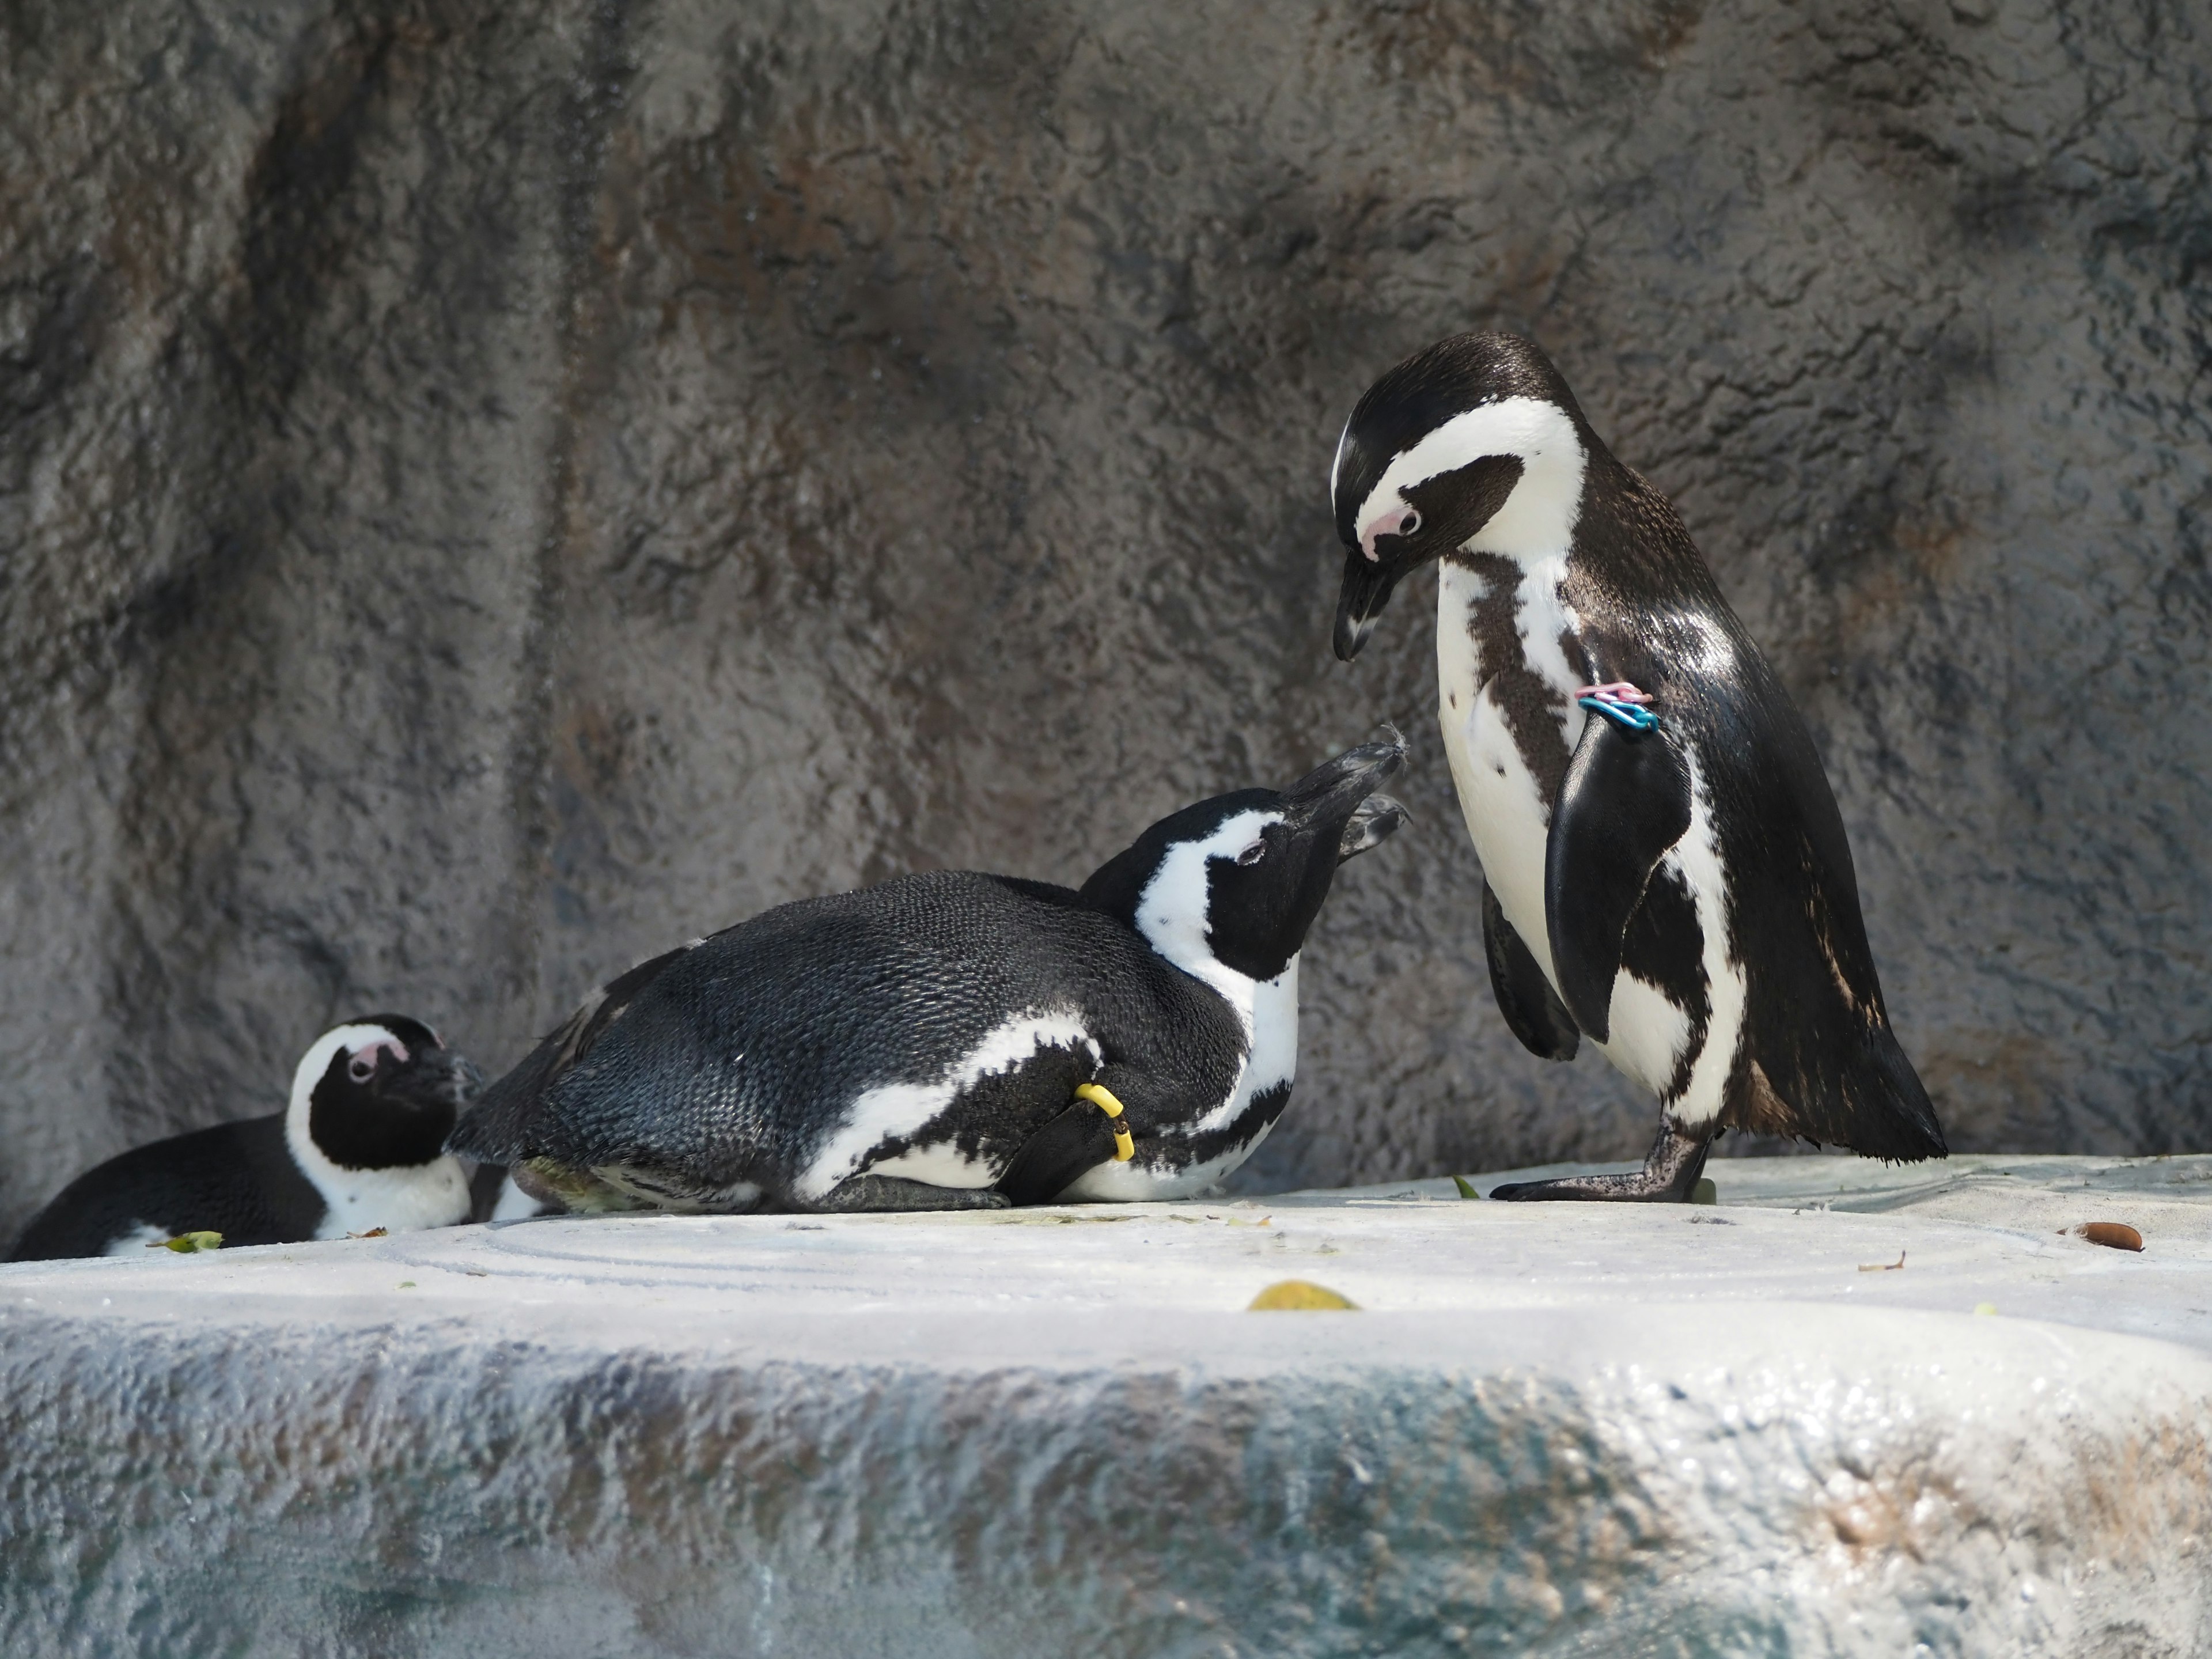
x=1565 y=1429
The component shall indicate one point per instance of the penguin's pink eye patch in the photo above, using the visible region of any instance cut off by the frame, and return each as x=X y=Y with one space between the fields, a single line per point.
x=1395 y=520
x=362 y=1065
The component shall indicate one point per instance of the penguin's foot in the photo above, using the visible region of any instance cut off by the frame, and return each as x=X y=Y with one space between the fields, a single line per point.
x=580 y=1192
x=1669 y=1176
x=875 y=1192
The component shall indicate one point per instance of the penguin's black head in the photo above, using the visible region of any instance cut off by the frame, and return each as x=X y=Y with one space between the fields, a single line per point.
x=1476 y=438
x=380 y=1092
x=1238 y=879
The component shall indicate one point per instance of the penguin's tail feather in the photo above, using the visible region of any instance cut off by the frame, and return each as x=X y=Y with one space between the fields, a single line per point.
x=1892 y=1118
x=1856 y=1091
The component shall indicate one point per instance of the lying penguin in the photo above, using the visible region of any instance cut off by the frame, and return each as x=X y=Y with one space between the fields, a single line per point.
x=955 y=1040
x=1665 y=868
x=360 y=1146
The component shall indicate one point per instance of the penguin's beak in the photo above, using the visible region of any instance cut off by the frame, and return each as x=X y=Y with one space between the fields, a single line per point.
x=438 y=1076
x=1339 y=796
x=1373 y=822
x=1366 y=590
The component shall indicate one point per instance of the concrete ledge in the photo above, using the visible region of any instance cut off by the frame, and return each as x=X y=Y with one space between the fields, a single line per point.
x=1557 y=1428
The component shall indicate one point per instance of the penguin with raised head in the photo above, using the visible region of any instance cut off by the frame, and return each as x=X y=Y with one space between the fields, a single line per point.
x=955 y=1040
x=1665 y=869
x=361 y=1146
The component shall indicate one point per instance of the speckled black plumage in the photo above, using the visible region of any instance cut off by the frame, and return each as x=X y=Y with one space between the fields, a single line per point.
x=829 y=996
x=713 y=1076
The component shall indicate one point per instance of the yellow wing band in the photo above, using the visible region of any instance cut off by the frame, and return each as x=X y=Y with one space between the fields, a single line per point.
x=1102 y=1098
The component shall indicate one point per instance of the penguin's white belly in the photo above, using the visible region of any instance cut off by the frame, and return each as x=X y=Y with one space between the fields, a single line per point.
x=1137 y=1182
x=1498 y=796
x=1505 y=814
x=1649 y=1034
x=1650 y=1031
x=401 y=1200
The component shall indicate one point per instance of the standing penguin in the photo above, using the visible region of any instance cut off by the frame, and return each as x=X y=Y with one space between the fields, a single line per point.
x=1665 y=867
x=361 y=1146
x=953 y=1040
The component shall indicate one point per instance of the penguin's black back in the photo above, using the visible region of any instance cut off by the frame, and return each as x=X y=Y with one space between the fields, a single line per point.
x=1815 y=1024
x=236 y=1179
x=734 y=1060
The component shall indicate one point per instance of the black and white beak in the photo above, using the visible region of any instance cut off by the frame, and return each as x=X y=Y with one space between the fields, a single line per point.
x=1343 y=791
x=433 y=1077
x=1360 y=603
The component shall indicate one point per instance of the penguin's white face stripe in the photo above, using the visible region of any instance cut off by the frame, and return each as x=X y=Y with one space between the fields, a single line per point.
x=1538 y=518
x=900 y=1109
x=1172 y=911
x=433 y=1194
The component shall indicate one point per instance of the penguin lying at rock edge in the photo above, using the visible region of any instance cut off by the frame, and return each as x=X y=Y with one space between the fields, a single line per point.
x=361 y=1146
x=956 y=1040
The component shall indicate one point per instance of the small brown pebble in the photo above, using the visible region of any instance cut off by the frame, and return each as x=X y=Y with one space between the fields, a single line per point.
x=2114 y=1235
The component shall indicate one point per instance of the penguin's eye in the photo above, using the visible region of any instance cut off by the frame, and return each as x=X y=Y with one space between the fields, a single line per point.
x=1252 y=853
x=362 y=1068
x=1411 y=524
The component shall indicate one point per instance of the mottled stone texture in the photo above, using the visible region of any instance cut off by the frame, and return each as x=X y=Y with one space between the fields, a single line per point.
x=487 y=490
x=1699 y=1433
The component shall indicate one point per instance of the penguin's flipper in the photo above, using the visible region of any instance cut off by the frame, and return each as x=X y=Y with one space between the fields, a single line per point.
x=1524 y=996
x=1051 y=1161
x=1626 y=799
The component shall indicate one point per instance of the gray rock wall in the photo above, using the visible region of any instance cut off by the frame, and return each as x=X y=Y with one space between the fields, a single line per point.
x=488 y=490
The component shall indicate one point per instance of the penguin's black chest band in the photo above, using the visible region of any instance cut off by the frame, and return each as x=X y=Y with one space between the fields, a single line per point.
x=1078 y=1140
x=1621 y=704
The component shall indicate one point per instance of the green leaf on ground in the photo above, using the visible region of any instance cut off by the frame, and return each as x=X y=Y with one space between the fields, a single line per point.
x=188 y=1244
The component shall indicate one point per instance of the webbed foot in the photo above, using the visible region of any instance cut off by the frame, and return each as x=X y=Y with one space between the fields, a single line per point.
x=875 y=1192
x=1669 y=1176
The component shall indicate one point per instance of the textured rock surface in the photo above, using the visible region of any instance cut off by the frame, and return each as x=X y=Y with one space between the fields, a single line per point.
x=1546 y=1431
x=488 y=490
